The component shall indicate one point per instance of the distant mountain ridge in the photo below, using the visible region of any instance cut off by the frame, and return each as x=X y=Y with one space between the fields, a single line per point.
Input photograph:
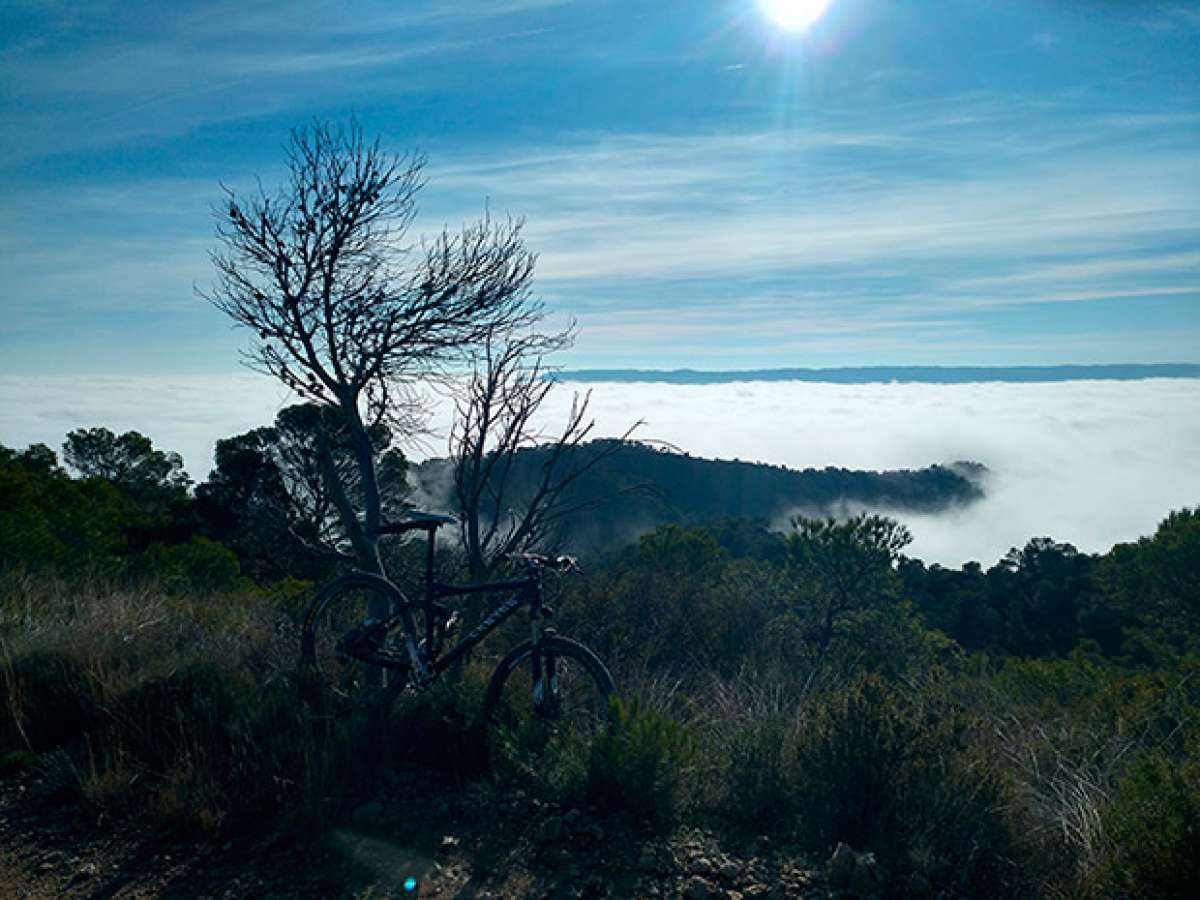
x=904 y=374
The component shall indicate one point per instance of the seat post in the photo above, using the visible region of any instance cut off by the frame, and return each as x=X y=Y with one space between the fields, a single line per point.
x=429 y=563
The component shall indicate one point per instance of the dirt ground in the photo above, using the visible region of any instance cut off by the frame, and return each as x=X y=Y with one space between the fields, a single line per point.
x=463 y=842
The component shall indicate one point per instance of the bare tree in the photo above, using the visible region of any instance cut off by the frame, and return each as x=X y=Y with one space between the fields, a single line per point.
x=345 y=311
x=502 y=514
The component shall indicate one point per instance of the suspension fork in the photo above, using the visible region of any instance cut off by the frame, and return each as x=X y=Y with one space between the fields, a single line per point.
x=545 y=680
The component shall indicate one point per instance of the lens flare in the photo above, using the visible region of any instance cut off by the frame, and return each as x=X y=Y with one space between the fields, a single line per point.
x=794 y=15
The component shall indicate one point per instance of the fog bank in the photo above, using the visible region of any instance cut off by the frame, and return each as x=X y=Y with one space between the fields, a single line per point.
x=1088 y=462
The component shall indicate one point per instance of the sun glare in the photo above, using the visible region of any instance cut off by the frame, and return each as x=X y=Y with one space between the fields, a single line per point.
x=794 y=15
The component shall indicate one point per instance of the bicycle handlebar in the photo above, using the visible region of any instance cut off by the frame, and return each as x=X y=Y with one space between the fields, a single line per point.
x=541 y=561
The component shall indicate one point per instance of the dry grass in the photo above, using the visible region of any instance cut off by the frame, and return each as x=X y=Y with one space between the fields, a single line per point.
x=170 y=705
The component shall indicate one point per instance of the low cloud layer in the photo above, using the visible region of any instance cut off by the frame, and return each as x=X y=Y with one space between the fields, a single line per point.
x=1092 y=463
x=1088 y=462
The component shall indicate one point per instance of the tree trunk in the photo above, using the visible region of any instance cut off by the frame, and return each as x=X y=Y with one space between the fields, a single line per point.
x=475 y=563
x=364 y=548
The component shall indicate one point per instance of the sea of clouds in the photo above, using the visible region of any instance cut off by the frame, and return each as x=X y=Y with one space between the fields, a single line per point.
x=1088 y=462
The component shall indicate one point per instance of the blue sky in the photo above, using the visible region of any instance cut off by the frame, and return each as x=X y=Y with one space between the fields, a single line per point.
x=906 y=183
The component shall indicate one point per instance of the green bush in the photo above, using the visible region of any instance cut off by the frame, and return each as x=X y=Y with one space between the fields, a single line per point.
x=1153 y=830
x=199 y=565
x=761 y=781
x=441 y=727
x=887 y=768
x=638 y=765
x=47 y=699
x=188 y=710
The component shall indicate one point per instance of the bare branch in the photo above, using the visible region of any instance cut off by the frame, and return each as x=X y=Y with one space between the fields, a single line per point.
x=344 y=309
x=495 y=420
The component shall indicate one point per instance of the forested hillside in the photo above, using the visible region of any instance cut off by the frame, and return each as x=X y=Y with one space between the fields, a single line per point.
x=639 y=486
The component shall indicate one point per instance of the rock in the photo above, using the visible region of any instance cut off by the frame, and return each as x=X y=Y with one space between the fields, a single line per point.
x=449 y=843
x=696 y=888
x=702 y=865
x=756 y=892
x=868 y=876
x=648 y=861
x=730 y=871
x=840 y=868
x=858 y=873
x=551 y=830
x=593 y=832
x=572 y=818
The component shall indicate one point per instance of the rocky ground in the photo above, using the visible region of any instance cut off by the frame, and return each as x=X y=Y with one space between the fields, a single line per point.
x=460 y=842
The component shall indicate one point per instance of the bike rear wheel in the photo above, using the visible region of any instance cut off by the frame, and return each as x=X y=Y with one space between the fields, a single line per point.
x=544 y=702
x=346 y=667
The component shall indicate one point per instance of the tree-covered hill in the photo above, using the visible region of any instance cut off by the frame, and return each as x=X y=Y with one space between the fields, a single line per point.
x=641 y=486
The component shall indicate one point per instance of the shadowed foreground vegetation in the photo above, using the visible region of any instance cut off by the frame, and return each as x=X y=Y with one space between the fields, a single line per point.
x=1030 y=729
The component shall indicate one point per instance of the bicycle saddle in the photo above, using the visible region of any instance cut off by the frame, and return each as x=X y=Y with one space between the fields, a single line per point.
x=415 y=518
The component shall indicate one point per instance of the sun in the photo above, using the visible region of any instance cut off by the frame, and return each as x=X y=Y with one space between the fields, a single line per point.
x=794 y=15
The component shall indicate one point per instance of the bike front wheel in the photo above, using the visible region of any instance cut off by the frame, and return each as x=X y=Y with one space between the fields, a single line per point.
x=546 y=701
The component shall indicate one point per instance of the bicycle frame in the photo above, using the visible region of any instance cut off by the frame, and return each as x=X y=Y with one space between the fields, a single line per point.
x=525 y=590
x=425 y=666
x=422 y=659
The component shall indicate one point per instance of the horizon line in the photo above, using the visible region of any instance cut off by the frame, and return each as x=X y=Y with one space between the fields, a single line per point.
x=929 y=374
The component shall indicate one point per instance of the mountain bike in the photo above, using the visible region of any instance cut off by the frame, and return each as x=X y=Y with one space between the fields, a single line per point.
x=364 y=642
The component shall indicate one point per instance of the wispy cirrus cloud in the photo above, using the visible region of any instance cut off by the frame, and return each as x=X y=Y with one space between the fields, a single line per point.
x=916 y=226
x=642 y=205
x=74 y=83
x=779 y=241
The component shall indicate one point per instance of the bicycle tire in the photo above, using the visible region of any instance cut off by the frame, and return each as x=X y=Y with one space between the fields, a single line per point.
x=517 y=731
x=334 y=683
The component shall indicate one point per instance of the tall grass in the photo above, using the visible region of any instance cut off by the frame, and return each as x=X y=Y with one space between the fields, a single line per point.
x=171 y=705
